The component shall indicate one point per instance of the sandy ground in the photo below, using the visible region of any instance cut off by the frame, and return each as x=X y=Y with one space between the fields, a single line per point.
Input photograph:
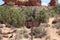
x=52 y=33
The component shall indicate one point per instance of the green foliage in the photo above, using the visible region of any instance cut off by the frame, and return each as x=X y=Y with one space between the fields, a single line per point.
x=18 y=17
x=11 y=16
x=42 y=16
x=29 y=13
x=55 y=10
x=33 y=15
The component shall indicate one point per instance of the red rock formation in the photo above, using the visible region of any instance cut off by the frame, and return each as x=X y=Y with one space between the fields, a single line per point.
x=35 y=2
x=53 y=3
x=26 y=3
x=7 y=1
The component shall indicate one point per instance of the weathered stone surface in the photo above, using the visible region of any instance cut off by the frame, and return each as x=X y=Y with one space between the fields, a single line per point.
x=53 y=3
x=25 y=3
x=35 y=2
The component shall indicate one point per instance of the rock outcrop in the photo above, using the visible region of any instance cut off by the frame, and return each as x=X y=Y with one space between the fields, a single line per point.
x=53 y=3
x=24 y=3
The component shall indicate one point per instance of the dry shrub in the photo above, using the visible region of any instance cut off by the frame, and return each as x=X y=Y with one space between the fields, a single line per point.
x=57 y=25
x=39 y=32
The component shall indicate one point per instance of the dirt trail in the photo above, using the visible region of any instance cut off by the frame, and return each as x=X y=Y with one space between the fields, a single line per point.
x=51 y=20
x=52 y=31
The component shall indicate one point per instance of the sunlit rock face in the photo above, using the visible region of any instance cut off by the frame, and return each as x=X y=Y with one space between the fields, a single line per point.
x=35 y=2
x=25 y=2
x=53 y=3
x=6 y=1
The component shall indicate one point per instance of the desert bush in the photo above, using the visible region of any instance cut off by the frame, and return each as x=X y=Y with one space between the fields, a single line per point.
x=44 y=25
x=42 y=16
x=55 y=10
x=57 y=25
x=26 y=35
x=18 y=35
x=39 y=32
x=22 y=33
x=33 y=16
x=18 y=17
x=11 y=16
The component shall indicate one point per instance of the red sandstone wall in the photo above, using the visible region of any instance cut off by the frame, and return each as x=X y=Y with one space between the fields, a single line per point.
x=28 y=3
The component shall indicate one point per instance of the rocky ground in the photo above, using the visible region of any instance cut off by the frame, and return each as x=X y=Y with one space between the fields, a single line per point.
x=18 y=33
